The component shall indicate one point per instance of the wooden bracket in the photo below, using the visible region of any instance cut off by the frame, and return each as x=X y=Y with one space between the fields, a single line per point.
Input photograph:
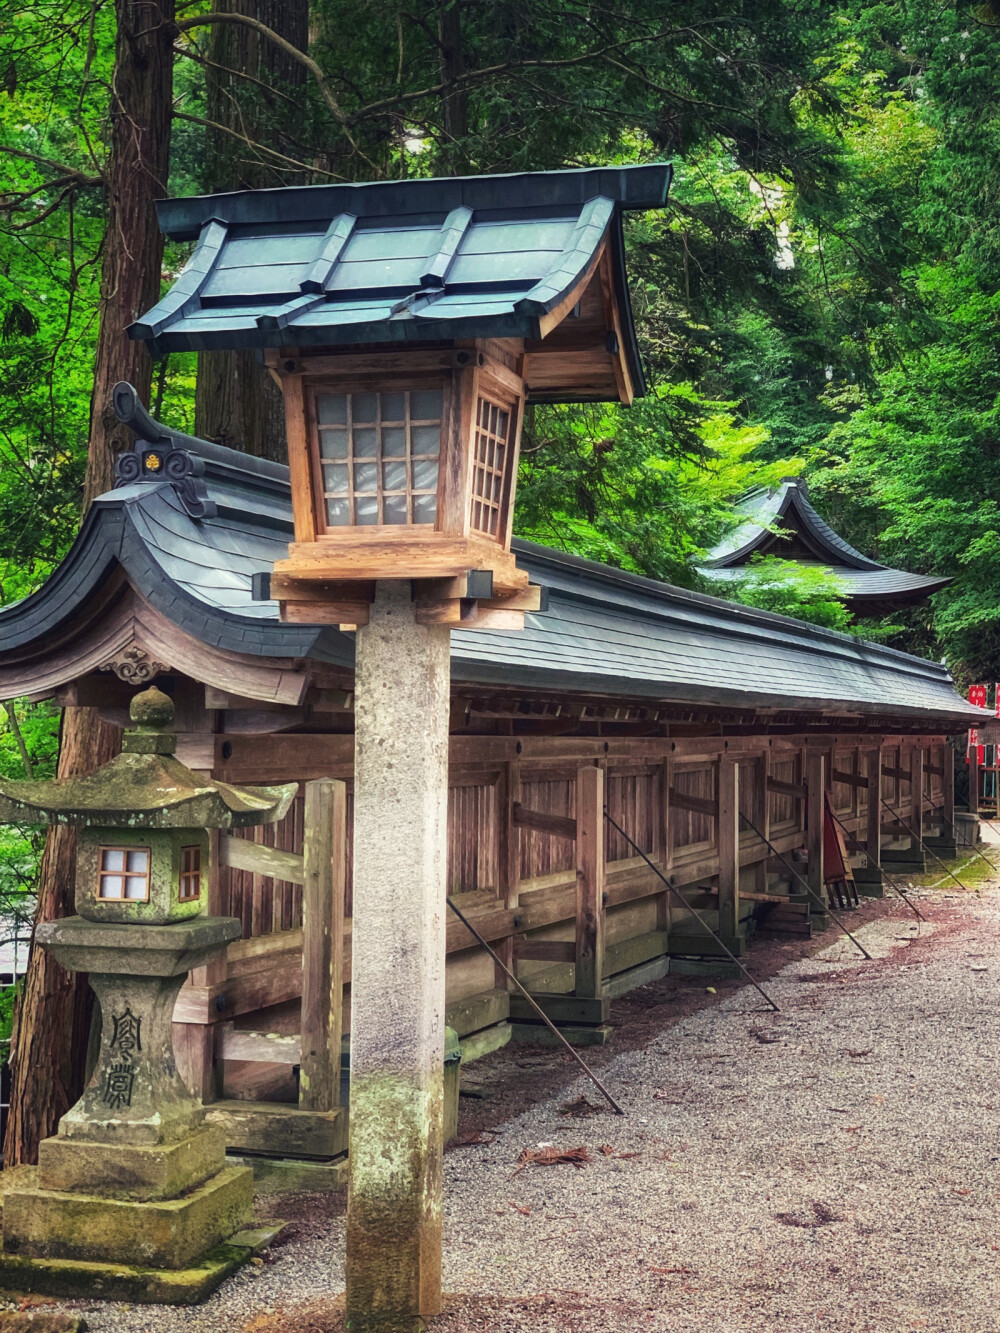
x=559 y=826
x=698 y=804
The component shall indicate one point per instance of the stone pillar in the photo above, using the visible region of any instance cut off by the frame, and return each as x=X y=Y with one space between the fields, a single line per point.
x=402 y=695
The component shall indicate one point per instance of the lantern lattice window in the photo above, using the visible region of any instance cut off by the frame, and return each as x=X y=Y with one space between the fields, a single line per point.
x=490 y=467
x=379 y=456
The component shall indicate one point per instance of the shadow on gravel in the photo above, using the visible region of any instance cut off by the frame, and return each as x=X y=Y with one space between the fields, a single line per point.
x=558 y=1312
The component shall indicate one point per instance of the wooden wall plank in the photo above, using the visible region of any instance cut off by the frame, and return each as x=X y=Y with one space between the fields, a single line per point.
x=324 y=860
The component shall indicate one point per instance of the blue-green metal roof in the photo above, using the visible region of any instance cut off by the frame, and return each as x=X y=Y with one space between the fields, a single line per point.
x=605 y=634
x=394 y=261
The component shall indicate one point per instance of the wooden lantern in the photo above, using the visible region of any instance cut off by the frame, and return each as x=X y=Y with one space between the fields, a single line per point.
x=403 y=467
x=407 y=323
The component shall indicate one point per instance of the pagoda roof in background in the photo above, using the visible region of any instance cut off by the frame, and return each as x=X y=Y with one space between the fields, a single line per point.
x=869 y=588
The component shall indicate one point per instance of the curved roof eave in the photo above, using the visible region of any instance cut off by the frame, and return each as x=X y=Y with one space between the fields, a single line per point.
x=108 y=539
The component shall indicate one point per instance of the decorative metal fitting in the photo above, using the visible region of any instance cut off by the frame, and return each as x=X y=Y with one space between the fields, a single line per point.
x=157 y=455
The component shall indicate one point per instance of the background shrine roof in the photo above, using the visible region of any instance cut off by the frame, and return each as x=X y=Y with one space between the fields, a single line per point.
x=605 y=632
x=787 y=507
x=394 y=261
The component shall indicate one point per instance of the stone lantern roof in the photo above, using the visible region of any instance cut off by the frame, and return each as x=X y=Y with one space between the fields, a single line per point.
x=144 y=787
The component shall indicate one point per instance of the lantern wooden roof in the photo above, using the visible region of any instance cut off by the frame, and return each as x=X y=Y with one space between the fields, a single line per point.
x=780 y=521
x=537 y=257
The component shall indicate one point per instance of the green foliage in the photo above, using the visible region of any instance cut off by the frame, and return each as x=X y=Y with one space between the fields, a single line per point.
x=807 y=592
x=645 y=488
x=820 y=294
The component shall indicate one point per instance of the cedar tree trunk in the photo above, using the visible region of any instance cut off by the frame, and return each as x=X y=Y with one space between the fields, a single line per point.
x=49 y=1047
x=236 y=401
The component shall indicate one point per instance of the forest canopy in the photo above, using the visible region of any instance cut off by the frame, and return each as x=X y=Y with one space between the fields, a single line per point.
x=819 y=297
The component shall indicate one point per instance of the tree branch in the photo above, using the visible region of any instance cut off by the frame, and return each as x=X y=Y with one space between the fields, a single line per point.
x=257 y=147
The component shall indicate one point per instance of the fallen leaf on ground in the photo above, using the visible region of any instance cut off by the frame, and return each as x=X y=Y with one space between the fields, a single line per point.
x=680 y=1269
x=856 y=1055
x=523 y=1208
x=553 y=1156
x=621 y=1156
x=822 y=1216
x=765 y=1037
x=467 y=1140
x=606 y=1150
x=580 y=1108
x=962 y=1192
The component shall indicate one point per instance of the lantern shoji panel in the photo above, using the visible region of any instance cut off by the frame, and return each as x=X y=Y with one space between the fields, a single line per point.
x=491 y=451
x=379 y=456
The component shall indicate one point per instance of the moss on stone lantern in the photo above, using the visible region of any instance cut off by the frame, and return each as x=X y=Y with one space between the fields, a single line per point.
x=143 y=850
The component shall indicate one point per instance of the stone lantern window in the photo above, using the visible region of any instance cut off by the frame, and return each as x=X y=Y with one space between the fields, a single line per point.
x=123 y=873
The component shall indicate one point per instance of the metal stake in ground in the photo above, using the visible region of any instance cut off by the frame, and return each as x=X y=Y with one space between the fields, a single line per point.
x=964 y=887
x=697 y=915
x=808 y=888
x=537 y=1007
x=888 y=873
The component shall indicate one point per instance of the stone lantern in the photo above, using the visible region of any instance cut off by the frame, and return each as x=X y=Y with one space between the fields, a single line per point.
x=132 y=1197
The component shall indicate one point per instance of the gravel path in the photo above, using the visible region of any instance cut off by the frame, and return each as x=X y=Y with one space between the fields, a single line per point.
x=833 y=1166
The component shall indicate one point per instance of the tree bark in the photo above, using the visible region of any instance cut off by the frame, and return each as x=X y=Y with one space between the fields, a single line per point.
x=236 y=401
x=50 y=1040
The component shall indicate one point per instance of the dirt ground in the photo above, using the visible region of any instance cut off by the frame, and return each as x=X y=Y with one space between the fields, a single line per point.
x=831 y=1166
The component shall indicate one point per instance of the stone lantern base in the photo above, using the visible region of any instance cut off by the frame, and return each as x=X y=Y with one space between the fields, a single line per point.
x=132 y=1199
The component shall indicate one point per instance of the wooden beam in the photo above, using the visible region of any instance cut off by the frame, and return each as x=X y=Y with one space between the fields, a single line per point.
x=779 y=788
x=848 y=779
x=699 y=804
x=590 y=871
x=325 y=863
x=900 y=774
x=559 y=826
x=545 y=951
x=242 y=854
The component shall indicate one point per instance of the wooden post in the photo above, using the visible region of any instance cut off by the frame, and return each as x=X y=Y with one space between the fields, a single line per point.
x=816 y=770
x=916 y=820
x=873 y=814
x=508 y=862
x=948 y=792
x=324 y=853
x=195 y=1043
x=728 y=835
x=590 y=862
x=973 y=752
x=665 y=840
